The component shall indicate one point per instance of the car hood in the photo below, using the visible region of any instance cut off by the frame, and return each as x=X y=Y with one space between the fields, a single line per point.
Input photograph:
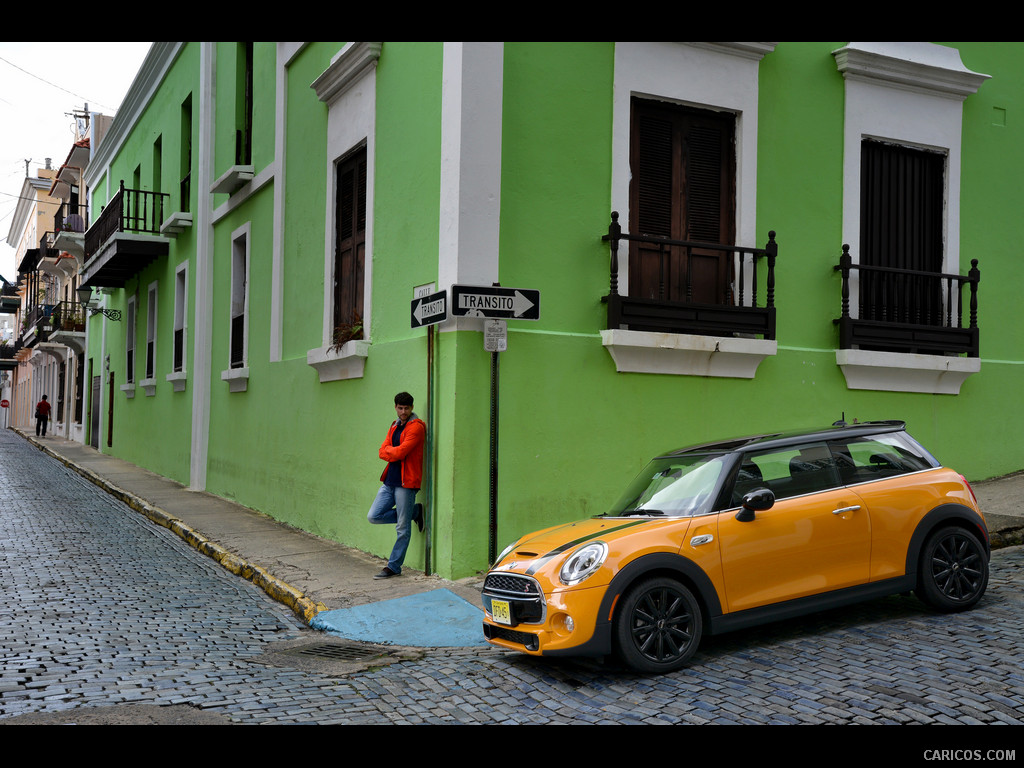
x=541 y=552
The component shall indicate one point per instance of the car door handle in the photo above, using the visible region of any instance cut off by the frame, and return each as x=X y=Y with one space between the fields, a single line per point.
x=840 y=511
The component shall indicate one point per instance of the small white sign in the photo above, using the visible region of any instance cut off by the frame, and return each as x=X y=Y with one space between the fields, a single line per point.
x=420 y=291
x=496 y=336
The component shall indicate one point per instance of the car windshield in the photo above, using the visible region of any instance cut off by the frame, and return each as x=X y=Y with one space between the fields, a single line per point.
x=674 y=486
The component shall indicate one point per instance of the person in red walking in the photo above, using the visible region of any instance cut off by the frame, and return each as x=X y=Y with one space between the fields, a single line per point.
x=42 y=416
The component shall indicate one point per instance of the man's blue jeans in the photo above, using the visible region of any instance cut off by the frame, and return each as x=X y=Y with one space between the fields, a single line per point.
x=395 y=505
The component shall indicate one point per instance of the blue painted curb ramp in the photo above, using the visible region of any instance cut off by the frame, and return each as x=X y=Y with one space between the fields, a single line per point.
x=435 y=619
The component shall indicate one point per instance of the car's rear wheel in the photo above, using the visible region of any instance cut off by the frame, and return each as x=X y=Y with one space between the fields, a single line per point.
x=953 y=571
x=658 y=626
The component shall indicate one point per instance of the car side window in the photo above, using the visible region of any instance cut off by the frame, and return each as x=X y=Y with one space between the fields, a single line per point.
x=875 y=457
x=787 y=472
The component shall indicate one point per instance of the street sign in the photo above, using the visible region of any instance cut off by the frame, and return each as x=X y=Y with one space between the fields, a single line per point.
x=427 y=310
x=4 y=404
x=496 y=336
x=496 y=302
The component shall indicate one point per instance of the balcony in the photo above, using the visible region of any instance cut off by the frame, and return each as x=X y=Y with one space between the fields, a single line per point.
x=907 y=332
x=36 y=325
x=125 y=238
x=70 y=223
x=67 y=323
x=672 y=333
x=8 y=355
x=10 y=299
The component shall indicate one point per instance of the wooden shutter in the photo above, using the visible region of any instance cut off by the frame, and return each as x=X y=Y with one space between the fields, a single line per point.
x=902 y=192
x=349 y=264
x=682 y=163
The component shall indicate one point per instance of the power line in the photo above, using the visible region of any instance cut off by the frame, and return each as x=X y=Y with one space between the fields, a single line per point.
x=54 y=85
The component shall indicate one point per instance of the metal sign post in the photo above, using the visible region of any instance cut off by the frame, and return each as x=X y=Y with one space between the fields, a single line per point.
x=429 y=307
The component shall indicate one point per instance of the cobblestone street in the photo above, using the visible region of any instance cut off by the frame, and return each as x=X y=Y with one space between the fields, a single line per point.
x=100 y=608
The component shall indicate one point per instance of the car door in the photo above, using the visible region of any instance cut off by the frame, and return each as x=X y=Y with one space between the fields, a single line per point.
x=816 y=537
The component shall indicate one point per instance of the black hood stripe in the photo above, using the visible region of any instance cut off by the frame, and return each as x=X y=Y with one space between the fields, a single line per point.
x=544 y=559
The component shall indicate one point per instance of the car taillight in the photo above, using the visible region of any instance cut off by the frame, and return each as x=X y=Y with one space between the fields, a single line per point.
x=970 y=489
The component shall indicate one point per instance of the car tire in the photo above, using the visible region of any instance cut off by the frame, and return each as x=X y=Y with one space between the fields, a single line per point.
x=953 y=572
x=658 y=626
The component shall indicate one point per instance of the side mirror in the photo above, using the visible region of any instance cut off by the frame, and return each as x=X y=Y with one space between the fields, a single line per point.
x=756 y=501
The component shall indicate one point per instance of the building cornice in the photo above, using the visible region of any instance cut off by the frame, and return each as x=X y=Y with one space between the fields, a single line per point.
x=159 y=59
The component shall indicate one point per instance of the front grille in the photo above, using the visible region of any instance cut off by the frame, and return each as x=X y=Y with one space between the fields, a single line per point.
x=511 y=585
x=523 y=594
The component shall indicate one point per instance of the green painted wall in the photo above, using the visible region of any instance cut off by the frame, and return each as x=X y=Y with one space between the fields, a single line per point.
x=573 y=431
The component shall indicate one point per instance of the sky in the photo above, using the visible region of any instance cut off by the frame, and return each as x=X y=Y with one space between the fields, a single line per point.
x=40 y=85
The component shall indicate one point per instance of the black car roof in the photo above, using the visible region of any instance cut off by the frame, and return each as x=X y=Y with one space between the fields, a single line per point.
x=782 y=439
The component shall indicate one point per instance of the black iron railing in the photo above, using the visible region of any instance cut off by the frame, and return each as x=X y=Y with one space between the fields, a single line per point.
x=68 y=316
x=906 y=310
x=130 y=210
x=731 y=314
x=71 y=218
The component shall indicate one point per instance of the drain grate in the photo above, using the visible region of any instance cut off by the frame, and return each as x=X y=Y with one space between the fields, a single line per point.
x=336 y=652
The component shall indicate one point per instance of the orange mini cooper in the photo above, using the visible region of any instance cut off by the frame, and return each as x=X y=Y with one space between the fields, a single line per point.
x=722 y=536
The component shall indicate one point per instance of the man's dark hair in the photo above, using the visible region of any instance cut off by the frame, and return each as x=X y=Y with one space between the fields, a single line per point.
x=403 y=398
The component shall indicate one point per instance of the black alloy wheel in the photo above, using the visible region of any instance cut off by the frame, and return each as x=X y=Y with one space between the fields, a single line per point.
x=954 y=570
x=658 y=627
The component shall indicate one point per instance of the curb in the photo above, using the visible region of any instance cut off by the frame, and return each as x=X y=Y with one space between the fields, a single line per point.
x=277 y=589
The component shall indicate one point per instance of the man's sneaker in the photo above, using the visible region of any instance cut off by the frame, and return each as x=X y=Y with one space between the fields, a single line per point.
x=385 y=573
x=418 y=516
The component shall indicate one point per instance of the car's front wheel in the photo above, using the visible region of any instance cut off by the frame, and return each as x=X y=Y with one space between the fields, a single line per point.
x=658 y=626
x=953 y=571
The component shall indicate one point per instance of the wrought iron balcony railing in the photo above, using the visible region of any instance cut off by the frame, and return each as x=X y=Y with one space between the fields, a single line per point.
x=905 y=310
x=71 y=218
x=735 y=311
x=130 y=210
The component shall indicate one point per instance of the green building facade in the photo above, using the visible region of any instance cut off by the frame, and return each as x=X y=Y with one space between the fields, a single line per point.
x=284 y=201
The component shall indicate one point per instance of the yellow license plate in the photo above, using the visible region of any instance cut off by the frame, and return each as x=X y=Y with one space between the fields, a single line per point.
x=501 y=612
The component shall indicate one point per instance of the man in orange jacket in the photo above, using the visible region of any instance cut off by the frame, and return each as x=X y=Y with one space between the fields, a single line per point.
x=396 y=503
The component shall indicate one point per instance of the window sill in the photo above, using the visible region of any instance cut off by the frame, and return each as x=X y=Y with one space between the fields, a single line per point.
x=176 y=223
x=237 y=379
x=336 y=365
x=129 y=390
x=686 y=354
x=149 y=386
x=898 y=372
x=234 y=178
x=178 y=380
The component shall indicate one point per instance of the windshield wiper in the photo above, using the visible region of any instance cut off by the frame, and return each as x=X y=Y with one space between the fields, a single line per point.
x=638 y=511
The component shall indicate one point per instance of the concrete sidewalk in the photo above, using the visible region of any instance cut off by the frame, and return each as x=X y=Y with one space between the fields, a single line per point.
x=321 y=578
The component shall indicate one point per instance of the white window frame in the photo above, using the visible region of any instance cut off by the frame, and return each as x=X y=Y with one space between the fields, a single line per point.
x=238 y=300
x=131 y=313
x=908 y=93
x=179 y=378
x=152 y=328
x=714 y=76
x=348 y=87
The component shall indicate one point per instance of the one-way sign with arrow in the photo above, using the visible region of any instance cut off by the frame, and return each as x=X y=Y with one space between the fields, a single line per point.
x=496 y=302
x=427 y=310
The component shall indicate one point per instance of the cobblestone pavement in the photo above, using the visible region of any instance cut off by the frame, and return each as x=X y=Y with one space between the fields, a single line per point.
x=102 y=609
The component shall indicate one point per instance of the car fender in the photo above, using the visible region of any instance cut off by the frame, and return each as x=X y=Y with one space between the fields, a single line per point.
x=937 y=517
x=663 y=563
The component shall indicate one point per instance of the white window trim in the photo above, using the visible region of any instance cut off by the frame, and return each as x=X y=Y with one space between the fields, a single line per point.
x=718 y=76
x=238 y=378
x=178 y=379
x=148 y=384
x=349 y=88
x=130 y=343
x=908 y=93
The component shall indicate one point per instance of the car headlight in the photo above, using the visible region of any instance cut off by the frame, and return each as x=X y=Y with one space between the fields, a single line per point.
x=583 y=563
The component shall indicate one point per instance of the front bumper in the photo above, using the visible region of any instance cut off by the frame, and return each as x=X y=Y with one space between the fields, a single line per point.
x=519 y=616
